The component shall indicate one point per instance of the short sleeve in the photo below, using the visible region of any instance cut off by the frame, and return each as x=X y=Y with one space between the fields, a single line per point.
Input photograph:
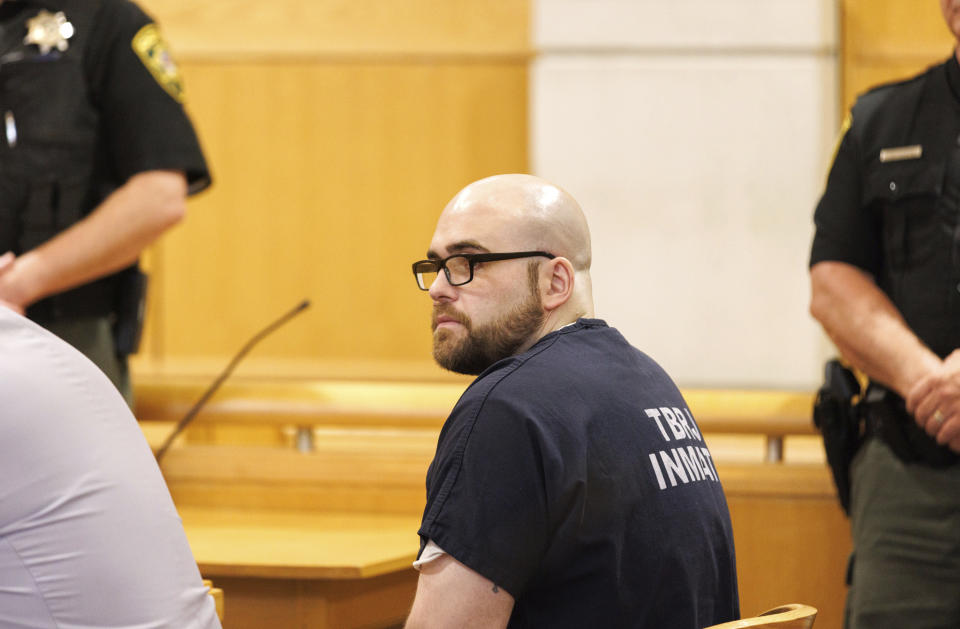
x=846 y=230
x=487 y=496
x=139 y=91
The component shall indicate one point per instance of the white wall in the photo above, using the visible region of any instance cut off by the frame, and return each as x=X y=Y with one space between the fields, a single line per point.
x=696 y=134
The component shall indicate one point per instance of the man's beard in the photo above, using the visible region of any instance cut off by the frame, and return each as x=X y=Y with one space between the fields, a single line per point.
x=486 y=344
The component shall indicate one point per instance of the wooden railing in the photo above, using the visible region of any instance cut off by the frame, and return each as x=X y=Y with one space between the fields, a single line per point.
x=308 y=405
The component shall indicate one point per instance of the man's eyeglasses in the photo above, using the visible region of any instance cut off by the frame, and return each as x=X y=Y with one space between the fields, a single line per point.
x=459 y=268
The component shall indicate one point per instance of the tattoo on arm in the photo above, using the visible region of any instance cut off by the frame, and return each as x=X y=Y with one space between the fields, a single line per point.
x=495 y=588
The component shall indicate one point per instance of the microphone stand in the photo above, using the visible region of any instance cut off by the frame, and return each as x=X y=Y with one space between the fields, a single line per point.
x=259 y=336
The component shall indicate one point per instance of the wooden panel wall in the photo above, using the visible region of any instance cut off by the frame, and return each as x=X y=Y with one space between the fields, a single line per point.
x=885 y=40
x=336 y=131
x=791 y=548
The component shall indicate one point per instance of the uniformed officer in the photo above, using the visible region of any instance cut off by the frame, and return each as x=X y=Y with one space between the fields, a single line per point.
x=97 y=157
x=885 y=273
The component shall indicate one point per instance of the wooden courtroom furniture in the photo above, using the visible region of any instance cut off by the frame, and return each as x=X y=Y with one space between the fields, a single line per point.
x=792 y=616
x=217 y=595
x=303 y=569
x=324 y=535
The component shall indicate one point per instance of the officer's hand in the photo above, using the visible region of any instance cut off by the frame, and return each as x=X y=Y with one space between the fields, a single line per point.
x=935 y=402
x=950 y=435
x=6 y=304
x=6 y=263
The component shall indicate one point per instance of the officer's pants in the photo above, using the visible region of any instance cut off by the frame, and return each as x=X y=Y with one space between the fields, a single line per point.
x=906 y=539
x=93 y=336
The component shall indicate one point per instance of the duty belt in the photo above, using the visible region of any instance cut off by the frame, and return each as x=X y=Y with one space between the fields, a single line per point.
x=887 y=419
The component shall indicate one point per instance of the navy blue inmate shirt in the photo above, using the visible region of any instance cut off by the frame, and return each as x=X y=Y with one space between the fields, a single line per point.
x=574 y=477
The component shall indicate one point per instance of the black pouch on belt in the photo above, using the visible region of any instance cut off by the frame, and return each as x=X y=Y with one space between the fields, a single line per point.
x=129 y=311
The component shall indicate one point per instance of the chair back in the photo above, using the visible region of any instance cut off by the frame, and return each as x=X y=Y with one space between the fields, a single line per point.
x=217 y=595
x=792 y=616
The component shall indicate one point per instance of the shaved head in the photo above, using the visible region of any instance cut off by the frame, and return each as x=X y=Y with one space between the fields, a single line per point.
x=531 y=213
x=505 y=305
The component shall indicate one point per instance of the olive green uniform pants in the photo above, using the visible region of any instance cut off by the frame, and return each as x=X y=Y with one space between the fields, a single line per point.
x=906 y=541
x=93 y=336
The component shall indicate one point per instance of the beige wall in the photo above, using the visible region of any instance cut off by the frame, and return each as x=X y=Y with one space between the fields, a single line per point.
x=696 y=134
x=336 y=131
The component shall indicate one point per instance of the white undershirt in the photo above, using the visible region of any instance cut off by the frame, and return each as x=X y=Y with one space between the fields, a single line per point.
x=430 y=552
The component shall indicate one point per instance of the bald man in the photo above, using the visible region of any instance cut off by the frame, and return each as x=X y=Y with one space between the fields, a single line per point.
x=571 y=486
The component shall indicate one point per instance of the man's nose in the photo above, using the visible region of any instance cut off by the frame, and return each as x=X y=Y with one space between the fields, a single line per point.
x=440 y=289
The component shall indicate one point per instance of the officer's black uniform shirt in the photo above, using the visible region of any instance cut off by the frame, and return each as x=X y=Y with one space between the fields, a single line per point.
x=574 y=477
x=76 y=124
x=898 y=219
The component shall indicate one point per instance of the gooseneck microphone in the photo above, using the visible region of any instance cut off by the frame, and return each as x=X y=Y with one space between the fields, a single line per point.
x=259 y=336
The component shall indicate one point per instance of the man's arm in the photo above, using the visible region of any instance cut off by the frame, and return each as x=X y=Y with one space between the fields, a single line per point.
x=871 y=333
x=107 y=240
x=449 y=594
x=867 y=328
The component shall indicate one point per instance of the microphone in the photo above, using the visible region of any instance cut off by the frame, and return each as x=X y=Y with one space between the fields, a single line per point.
x=259 y=336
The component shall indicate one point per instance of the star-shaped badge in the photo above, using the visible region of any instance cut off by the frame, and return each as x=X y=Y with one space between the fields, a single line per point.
x=48 y=31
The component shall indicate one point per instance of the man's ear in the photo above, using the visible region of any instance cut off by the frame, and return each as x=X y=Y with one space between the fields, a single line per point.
x=556 y=283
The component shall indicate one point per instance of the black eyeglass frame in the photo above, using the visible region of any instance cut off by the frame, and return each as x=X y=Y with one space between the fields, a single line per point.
x=434 y=266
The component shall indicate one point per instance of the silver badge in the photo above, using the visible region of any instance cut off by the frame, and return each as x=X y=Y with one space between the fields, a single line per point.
x=48 y=31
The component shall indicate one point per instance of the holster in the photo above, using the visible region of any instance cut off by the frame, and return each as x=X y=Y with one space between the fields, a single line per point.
x=837 y=416
x=129 y=310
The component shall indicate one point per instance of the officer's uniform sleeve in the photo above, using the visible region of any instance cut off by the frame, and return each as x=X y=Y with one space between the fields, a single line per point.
x=139 y=92
x=487 y=504
x=846 y=230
